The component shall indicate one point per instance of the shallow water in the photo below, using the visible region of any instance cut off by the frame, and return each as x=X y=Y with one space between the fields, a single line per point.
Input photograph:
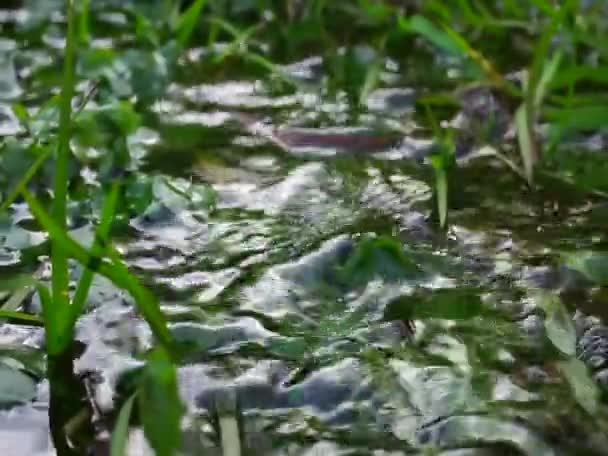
x=252 y=286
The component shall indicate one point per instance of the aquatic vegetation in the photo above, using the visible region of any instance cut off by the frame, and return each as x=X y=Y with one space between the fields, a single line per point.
x=344 y=226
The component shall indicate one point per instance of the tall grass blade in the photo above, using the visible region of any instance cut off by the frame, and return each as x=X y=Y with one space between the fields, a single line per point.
x=84 y=33
x=425 y=28
x=526 y=142
x=54 y=318
x=187 y=23
x=97 y=250
x=116 y=271
x=160 y=406
x=546 y=78
x=120 y=435
x=441 y=189
x=60 y=187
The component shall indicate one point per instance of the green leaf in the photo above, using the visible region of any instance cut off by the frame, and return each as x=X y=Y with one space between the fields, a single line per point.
x=425 y=28
x=449 y=304
x=15 y=386
x=21 y=114
x=549 y=72
x=593 y=265
x=160 y=406
x=575 y=74
x=20 y=318
x=558 y=323
x=580 y=118
x=584 y=388
x=188 y=21
x=381 y=257
x=121 y=429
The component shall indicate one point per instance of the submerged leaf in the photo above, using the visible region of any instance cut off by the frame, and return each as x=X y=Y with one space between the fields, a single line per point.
x=593 y=265
x=449 y=304
x=558 y=323
x=381 y=257
x=585 y=390
x=160 y=406
x=15 y=386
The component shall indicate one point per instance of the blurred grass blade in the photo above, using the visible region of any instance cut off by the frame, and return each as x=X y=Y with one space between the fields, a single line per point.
x=486 y=66
x=53 y=316
x=121 y=429
x=160 y=406
x=526 y=142
x=84 y=33
x=558 y=323
x=425 y=28
x=20 y=318
x=580 y=118
x=441 y=187
x=188 y=22
x=97 y=250
x=117 y=272
x=60 y=186
x=549 y=73
x=30 y=173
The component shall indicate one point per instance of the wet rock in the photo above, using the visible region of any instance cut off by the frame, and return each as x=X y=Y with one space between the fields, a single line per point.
x=324 y=393
x=283 y=288
x=461 y=430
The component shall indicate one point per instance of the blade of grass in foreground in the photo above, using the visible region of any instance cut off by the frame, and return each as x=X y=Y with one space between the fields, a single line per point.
x=121 y=429
x=526 y=142
x=160 y=406
x=55 y=342
x=20 y=318
x=188 y=21
x=59 y=258
x=116 y=272
x=97 y=250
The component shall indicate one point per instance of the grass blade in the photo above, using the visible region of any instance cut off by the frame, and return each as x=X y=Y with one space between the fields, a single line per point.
x=116 y=272
x=20 y=318
x=425 y=28
x=547 y=76
x=188 y=21
x=441 y=188
x=53 y=317
x=160 y=406
x=120 y=435
x=526 y=142
x=60 y=184
x=98 y=249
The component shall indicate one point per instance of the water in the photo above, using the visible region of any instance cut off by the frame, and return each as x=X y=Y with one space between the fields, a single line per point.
x=258 y=290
